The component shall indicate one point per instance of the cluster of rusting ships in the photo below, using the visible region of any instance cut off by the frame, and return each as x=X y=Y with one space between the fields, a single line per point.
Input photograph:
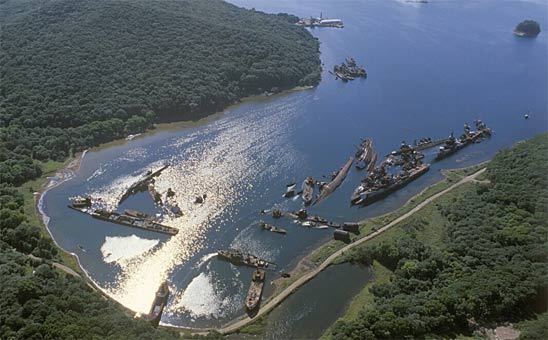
x=398 y=169
x=379 y=182
x=349 y=70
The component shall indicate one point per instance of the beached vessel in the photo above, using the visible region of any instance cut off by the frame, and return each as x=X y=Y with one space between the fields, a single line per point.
x=255 y=291
x=158 y=305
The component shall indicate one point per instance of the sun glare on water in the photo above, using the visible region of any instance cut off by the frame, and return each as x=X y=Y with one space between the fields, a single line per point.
x=223 y=165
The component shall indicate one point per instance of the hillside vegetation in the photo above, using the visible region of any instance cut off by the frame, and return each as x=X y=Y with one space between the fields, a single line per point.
x=76 y=73
x=488 y=266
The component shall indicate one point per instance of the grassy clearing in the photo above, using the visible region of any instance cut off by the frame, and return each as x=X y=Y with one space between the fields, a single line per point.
x=364 y=299
x=28 y=189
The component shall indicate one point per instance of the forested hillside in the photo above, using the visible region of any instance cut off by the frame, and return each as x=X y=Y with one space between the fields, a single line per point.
x=490 y=265
x=76 y=73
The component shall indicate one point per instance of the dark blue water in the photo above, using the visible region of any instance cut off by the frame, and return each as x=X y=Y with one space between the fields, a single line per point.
x=431 y=67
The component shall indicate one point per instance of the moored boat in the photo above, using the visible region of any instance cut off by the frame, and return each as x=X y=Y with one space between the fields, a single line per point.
x=364 y=195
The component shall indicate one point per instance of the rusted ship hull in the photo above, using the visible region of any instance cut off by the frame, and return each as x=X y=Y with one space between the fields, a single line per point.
x=330 y=187
x=255 y=291
x=129 y=220
x=369 y=197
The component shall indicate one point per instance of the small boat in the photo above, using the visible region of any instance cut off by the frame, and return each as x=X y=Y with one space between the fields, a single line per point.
x=272 y=228
x=255 y=290
x=308 y=190
x=290 y=190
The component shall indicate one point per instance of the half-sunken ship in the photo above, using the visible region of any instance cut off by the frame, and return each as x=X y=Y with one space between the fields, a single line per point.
x=349 y=70
x=239 y=258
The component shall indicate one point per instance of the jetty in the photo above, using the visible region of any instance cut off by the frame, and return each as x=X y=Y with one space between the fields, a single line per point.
x=329 y=188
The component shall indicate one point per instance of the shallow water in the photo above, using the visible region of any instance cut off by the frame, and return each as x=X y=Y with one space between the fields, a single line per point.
x=431 y=67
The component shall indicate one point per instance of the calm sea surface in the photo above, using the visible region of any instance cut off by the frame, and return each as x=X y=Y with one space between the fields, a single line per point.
x=431 y=67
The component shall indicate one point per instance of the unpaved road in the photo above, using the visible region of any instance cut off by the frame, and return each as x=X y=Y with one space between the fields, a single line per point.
x=231 y=328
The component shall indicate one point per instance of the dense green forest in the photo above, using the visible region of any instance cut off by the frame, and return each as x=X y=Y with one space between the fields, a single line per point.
x=490 y=267
x=76 y=73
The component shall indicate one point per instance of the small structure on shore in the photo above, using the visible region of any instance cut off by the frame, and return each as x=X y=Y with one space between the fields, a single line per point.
x=320 y=22
x=341 y=235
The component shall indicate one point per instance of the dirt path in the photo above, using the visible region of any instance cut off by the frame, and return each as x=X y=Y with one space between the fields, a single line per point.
x=307 y=277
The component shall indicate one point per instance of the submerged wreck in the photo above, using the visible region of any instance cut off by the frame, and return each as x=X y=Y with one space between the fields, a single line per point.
x=238 y=258
x=329 y=188
x=143 y=184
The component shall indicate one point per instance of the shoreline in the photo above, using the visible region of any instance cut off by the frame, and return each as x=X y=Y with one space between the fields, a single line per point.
x=204 y=119
x=303 y=267
x=73 y=164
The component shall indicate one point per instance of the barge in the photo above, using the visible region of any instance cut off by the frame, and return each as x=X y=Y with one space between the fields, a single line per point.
x=255 y=291
x=365 y=195
x=130 y=218
x=238 y=258
x=158 y=305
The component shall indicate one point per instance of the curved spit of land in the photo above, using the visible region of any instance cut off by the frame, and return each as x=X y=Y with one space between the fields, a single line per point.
x=231 y=328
